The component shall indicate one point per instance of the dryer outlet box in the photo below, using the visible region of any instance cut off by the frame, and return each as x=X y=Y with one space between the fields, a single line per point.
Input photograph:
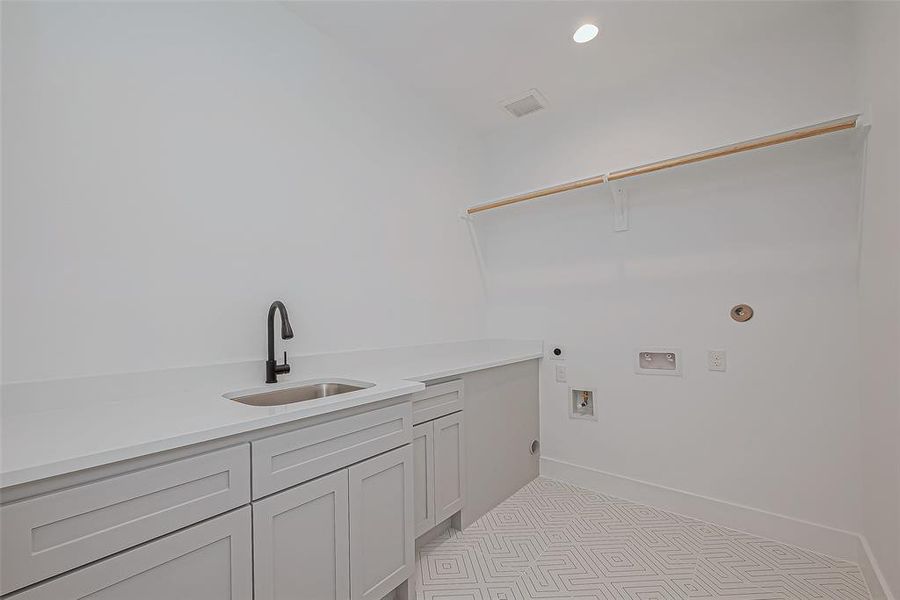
x=657 y=361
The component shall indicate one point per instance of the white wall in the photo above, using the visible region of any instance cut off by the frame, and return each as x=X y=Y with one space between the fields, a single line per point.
x=879 y=30
x=776 y=229
x=786 y=77
x=171 y=168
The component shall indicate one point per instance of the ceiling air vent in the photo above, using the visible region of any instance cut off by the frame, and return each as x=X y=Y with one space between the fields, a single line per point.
x=525 y=104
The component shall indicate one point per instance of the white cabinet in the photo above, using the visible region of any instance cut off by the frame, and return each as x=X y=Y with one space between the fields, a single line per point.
x=439 y=469
x=209 y=561
x=382 y=548
x=327 y=515
x=423 y=477
x=301 y=542
x=345 y=535
x=48 y=534
x=436 y=400
x=282 y=461
x=449 y=466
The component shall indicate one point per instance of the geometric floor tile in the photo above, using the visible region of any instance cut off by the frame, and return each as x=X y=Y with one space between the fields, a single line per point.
x=553 y=540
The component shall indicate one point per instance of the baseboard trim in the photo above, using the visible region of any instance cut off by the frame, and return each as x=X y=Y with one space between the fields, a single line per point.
x=878 y=586
x=820 y=538
x=844 y=545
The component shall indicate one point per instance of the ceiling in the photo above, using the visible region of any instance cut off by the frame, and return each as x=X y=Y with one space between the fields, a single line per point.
x=468 y=56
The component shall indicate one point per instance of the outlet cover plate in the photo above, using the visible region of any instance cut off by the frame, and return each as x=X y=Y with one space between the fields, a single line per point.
x=561 y=375
x=716 y=360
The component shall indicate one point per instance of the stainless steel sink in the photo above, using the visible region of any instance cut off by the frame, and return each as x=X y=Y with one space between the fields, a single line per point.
x=300 y=393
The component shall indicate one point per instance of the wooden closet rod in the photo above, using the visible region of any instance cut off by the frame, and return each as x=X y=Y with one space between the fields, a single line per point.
x=769 y=140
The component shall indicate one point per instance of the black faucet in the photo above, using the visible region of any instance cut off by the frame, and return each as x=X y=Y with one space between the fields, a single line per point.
x=272 y=368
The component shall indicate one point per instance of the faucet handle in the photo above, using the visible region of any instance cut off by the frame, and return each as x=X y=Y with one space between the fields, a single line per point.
x=282 y=368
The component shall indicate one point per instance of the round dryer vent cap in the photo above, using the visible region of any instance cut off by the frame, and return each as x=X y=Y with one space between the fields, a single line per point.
x=741 y=313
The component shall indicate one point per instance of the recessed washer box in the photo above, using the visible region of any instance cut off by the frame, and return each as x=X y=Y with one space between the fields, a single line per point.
x=657 y=361
x=581 y=404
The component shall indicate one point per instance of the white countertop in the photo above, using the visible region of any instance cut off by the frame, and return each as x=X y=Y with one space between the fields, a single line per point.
x=53 y=427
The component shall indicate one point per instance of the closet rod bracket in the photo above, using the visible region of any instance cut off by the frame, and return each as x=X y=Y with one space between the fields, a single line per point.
x=620 y=204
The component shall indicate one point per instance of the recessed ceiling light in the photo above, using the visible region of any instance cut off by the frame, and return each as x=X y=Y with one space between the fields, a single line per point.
x=585 y=33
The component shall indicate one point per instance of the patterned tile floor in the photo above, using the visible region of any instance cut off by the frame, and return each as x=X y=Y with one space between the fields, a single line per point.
x=553 y=540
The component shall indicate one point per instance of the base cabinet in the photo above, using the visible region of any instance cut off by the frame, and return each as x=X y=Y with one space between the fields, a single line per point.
x=208 y=561
x=148 y=530
x=439 y=470
x=301 y=542
x=347 y=535
x=382 y=547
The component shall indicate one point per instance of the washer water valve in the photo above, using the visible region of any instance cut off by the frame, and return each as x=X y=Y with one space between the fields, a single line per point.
x=581 y=404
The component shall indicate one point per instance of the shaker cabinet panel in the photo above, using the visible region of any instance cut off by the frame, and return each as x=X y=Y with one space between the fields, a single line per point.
x=208 y=561
x=282 y=461
x=382 y=553
x=301 y=542
x=52 y=533
x=437 y=400
x=423 y=477
x=449 y=466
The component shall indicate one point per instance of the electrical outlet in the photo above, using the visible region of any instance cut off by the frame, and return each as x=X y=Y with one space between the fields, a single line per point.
x=560 y=373
x=716 y=360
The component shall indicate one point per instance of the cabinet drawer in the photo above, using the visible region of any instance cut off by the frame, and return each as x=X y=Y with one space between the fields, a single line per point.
x=49 y=534
x=285 y=460
x=437 y=400
x=209 y=561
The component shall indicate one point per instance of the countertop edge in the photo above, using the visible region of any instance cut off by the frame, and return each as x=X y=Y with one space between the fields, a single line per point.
x=115 y=455
x=383 y=390
x=479 y=367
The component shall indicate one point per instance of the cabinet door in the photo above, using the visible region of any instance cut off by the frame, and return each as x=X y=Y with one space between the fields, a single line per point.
x=301 y=542
x=449 y=466
x=423 y=477
x=209 y=561
x=382 y=541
